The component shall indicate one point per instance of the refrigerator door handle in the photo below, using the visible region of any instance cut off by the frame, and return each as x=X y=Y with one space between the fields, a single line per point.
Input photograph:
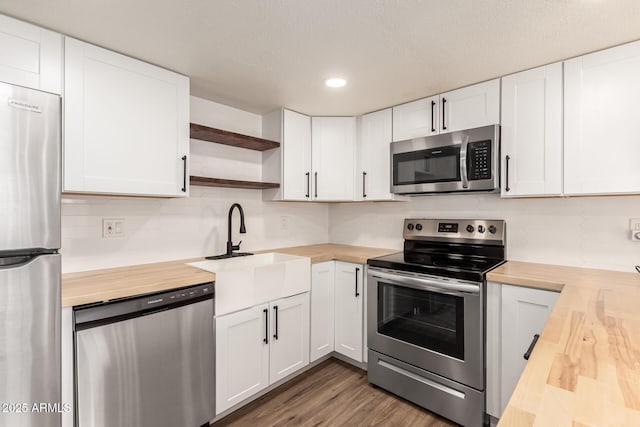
x=7 y=263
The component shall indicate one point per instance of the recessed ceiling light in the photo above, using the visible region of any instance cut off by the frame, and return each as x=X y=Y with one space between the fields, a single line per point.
x=335 y=82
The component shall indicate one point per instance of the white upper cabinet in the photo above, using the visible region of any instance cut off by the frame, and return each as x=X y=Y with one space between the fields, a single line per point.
x=333 y=144
x=290 y=165
x=601 y=145
x=374 y=158
x=470 y=107
x=349 y=296
x=532 y=132
x=465 y=108
x=416 y=119
x=30 y=56
x=296 y=146
x=126 y=125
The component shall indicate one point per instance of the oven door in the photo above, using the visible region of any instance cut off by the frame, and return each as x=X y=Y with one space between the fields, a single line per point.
x=432 y=323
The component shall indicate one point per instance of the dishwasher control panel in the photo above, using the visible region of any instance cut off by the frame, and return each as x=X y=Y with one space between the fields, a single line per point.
x=183 y=294
x=91 y=315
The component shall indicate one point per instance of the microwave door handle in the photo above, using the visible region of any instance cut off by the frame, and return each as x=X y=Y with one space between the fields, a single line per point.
x=426 y=284
x=463 y=163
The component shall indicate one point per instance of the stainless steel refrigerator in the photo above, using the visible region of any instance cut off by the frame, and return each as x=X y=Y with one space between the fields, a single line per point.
x=29 y=261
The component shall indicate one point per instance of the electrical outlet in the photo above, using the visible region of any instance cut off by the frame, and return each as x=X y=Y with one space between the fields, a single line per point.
x=634 y=227
x=112 y=227
x=284 y=222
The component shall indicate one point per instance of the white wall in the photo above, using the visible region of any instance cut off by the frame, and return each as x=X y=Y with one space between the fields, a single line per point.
x=168 y=229
x=582 y=231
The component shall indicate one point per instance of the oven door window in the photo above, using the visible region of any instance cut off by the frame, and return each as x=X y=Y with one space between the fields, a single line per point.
x=426 y=166
x=426 y=319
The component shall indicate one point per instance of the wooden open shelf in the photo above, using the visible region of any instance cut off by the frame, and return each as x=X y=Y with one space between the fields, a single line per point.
x=219 y=136
x=231 y=183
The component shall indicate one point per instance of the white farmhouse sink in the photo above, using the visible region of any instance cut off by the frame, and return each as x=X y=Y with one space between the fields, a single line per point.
x=243 y=282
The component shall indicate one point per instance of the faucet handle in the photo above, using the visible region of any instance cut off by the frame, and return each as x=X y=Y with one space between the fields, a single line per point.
x=236 y=247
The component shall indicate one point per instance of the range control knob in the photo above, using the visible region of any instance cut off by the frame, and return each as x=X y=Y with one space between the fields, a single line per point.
x=481 y=229
x=470 y=228
x=410 y=227
x=418 y=227
x=492 y=229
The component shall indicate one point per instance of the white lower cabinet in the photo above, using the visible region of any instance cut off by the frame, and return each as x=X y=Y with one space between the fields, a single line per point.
x=322 y=309
x=514 y=315
x=252 y=353
x=242 y=355
x=337 y=295
x=289 y=349
x=349 y=296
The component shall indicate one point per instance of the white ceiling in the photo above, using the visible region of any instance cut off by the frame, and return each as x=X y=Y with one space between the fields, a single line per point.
x=261 y=54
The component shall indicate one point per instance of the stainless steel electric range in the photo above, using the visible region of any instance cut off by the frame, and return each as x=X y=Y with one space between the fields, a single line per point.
x=426 y=315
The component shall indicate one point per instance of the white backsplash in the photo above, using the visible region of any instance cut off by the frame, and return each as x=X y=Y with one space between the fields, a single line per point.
x=168 y=229
x=581 y=231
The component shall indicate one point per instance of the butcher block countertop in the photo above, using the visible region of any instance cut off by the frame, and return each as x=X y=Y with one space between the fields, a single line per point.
x=585 y=368
x=102 y=285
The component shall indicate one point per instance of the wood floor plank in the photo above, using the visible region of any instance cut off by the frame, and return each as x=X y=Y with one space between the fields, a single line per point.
x=333 y=393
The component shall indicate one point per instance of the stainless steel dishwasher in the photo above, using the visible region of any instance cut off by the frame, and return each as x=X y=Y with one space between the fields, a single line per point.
x=146 y=361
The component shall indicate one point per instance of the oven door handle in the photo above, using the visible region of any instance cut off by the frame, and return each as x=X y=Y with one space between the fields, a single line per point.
x=426 y=284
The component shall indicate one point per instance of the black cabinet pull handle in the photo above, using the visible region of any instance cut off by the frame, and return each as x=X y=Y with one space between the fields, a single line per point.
x=275 y=308
x=308 y=184
x=266 y=326
x=444 y=126
x=184 y=176
x=316 y=184
x=364 y=177
x=357 y=271
x=506 y=172
x=433 y=116
x=531 y=346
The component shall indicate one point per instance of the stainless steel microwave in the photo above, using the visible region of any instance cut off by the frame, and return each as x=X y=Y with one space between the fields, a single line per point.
x=454 y=162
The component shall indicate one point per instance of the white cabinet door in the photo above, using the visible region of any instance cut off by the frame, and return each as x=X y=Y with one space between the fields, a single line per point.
x=532 y=132
x=242 y=355
x=349 y=288
x=296 y=156
x=126 y=126
x=601 y=145
x=322 y=311
x=470 y=107
x=416 y=119
x=333 y=157
x=524 y=313
x=289 y=326
x=30 y=56
x=374 y=156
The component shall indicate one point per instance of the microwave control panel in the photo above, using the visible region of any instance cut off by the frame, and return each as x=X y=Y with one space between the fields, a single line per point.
x=479 y=163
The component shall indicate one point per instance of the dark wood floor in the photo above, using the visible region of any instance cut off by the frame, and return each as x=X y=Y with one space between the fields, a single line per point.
x=333 y=393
